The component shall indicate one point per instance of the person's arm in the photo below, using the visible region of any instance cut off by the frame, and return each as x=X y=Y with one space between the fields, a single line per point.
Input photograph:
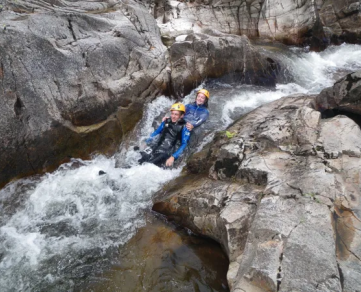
x=202 y=118
x=156 y=132
x=185 y=138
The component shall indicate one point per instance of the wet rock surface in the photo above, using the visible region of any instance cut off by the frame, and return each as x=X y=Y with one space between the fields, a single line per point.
x=317 y=23
x=74 y=77
x=282 y=196
x=202 y=56
x=344 y=95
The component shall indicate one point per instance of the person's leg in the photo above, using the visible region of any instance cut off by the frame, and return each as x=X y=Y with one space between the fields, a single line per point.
x=145 y=157
x=159 y=159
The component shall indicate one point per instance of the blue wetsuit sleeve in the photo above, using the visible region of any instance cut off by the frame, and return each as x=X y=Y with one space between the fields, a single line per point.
x=156 y=132
x=185 y=138
x=202 y=118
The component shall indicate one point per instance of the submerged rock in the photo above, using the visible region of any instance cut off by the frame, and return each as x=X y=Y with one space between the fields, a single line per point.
x=281 y=196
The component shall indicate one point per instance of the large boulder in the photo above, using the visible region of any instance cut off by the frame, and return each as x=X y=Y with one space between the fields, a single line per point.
x=282 y=194
x=317 y=23
x=74 y=77
x=202 y=56
x=343 y=96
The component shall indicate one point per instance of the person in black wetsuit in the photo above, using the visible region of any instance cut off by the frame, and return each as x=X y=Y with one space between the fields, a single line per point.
x=170 y=131
x=196 y=114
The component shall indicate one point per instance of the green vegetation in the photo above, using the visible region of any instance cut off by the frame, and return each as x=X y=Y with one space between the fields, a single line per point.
x=312 y=196
x=228 y=134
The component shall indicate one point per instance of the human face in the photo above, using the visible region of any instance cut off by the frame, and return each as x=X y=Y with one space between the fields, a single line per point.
x=175 y=116
x=200 y=99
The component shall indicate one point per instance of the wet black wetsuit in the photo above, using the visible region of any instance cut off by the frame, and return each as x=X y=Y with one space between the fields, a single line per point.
x=170 y=133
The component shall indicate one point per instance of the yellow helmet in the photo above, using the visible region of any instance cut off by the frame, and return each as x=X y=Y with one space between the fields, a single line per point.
x=204 y=91
x=178 y=107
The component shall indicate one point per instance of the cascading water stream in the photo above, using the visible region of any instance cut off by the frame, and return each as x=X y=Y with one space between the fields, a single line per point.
x=61 y=227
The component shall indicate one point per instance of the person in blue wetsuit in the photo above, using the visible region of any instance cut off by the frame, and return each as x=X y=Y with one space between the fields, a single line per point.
x=170 y=131
x=197 y=112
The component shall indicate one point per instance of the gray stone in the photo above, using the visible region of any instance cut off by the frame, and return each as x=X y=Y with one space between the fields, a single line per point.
x=72 y=82
x=283 y=20
x=293 y=198
x=343 y=19
x=317 y=23
x=340 y=135
x=344 y=95
x=280 y=249
x=204 y=55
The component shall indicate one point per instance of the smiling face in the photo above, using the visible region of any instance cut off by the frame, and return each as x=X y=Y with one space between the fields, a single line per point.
x=200 y=99
x=175 y=116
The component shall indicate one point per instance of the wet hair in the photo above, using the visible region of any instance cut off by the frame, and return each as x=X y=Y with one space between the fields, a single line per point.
x=205 y=102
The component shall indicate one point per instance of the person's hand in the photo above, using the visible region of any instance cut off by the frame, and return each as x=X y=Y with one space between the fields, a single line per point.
x=142 y=145
x=189 y=126
x=164 y=118
x=148 y=141
x=169 y=161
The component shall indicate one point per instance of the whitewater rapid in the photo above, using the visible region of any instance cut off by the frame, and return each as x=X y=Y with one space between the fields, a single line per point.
x=310 y=73
x=60 y=227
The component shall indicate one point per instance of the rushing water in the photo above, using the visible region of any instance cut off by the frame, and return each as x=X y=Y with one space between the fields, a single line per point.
x=59 y=229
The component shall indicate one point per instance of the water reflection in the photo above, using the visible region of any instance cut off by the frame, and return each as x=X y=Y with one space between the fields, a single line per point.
x=164 y=257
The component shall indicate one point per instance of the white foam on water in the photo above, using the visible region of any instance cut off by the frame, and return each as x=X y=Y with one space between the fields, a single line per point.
x=316 y=71
x=72 y=210
x=312 y=72
x=245 y=99
x=161 y=105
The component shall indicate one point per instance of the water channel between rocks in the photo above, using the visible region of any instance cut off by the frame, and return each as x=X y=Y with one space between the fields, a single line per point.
x=73 y=230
